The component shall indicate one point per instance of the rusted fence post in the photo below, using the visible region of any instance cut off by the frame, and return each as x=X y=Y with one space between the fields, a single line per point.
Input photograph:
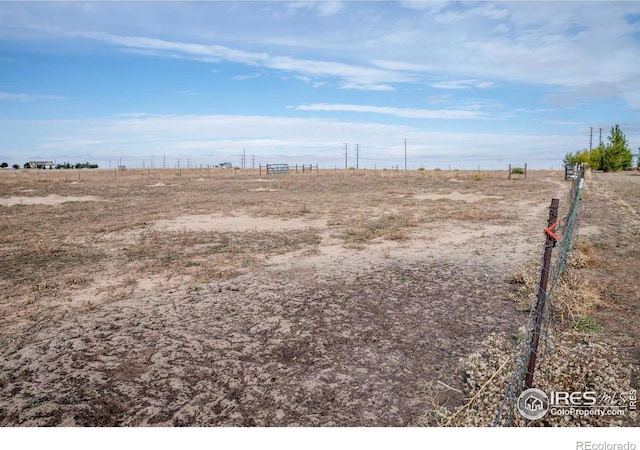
x=542 y=292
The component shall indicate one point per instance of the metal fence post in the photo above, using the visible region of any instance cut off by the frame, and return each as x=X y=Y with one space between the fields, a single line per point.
x=542 y=294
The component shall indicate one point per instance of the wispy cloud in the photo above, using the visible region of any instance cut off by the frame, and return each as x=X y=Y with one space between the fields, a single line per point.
x=462 y=84
x=352 y=76
x=246 y=77
x=21 y=97
x=322 y=8
x=409 y=113
x=206 y=138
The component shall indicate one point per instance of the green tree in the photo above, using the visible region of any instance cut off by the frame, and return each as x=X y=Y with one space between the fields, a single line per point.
x=16 y=166
x=616 y=155
x=4 y=165
x=585 y=156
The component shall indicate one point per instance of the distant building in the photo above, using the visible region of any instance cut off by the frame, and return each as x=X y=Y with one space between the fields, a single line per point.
x=41 y=164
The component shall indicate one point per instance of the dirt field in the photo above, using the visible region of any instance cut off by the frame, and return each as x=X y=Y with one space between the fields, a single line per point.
x=229 y=298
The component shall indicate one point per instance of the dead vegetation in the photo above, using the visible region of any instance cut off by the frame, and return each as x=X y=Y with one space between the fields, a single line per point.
x=573 y=298
x=341 y=337
x=573 y=362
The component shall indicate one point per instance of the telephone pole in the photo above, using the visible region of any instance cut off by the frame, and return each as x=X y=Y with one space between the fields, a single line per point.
x=346 y=153
x=600 y=136
x=590 y=139
x=405 y=154
x=357 y=155
x=253 y=161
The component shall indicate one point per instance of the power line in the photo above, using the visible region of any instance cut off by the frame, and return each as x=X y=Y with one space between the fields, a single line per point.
x=405 y=154
x=346 y=153
x=600 y=136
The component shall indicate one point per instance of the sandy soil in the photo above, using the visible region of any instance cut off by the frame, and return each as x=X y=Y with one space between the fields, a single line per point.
x=322 y=300
x=51 y=200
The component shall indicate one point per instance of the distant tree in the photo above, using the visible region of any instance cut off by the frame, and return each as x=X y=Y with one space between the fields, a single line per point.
x=585 y=156
x=616 y=155
x=16 y=166
x=4 y=165
x=85 y=165
x=27 y=165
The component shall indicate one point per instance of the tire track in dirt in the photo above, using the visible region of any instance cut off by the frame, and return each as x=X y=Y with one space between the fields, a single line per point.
x=257 y=352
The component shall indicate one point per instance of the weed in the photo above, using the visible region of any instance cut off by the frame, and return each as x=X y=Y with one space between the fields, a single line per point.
x=385 y=252
x=586 y=325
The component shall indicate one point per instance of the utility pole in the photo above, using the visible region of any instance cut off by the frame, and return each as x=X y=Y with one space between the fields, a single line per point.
x=244 y=157
x=405 y=154
x=346 y=153
x=357 y=155
x=600 y=136
x=253 y=161
x=590 y=139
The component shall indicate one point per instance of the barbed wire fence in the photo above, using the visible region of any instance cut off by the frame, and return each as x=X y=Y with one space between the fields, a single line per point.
x=536 y=344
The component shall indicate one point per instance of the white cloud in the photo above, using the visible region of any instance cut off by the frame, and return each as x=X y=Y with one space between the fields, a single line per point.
x=329 y=7
x=563 y=44
x=206 y=139
x=392 y=111
x=246 y=77
x=462 y=84
x=322 y=8
x=28 y=97
x=353 y=76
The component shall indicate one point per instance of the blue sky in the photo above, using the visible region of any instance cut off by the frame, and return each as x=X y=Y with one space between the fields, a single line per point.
x=465 y=83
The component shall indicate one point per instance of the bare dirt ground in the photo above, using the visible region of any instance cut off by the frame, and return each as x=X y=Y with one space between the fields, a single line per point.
x=610 y=220
x=213 y=298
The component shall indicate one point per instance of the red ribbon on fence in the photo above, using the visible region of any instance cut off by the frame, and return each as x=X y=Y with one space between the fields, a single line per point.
x=550 y=230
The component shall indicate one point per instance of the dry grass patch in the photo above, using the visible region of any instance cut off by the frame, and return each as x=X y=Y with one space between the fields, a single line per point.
x=569 y=363
x=389 y=226
x=573 y=299
x=583 y=255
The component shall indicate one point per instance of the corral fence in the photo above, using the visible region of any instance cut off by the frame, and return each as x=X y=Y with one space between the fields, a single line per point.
x=276 y=169
x=307 y=168
x=518 y=171
x=280 y=169
x=535 y=345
